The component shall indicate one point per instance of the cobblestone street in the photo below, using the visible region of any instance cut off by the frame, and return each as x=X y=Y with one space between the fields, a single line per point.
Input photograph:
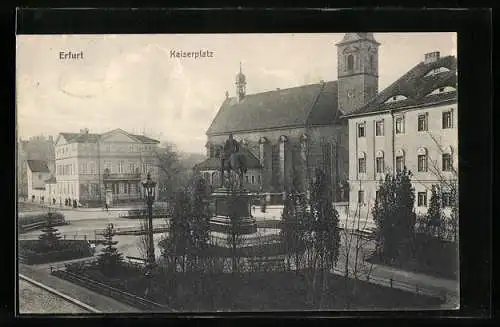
x=33 y=299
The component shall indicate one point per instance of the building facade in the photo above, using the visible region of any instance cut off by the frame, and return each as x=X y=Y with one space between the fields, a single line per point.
x=35 y=148
x=37 y=173
x=95 y=169
x=414 y=124
x=294 y=131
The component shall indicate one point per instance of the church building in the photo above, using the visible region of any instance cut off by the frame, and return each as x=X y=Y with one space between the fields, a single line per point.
x=288 y=133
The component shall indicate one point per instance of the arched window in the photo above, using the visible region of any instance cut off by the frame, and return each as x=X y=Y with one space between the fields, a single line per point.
x=422 y=159
x=447 y=159
x=350 y=62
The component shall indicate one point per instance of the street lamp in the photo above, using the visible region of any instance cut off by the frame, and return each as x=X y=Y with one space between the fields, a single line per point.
x=149 y=192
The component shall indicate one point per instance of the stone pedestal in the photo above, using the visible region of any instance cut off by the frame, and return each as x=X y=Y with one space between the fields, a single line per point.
x=227 y=206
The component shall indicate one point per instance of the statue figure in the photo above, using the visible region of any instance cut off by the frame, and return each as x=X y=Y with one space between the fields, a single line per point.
x=232 y=160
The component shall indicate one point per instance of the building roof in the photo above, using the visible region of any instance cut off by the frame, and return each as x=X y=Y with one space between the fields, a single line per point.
x=38 y=166
x=416 y=87
x=214 y=163
x=353 y=37
x=144 y=139
x=314 y=104
x=93 y=138
x=81 y=137
x=51 y=180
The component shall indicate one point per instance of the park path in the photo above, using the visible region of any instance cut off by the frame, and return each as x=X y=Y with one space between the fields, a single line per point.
x=41 y=274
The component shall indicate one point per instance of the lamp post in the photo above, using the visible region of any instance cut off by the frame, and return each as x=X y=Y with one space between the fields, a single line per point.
x=149 y=192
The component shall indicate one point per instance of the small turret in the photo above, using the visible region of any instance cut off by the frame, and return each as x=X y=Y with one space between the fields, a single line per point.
x=240 y=85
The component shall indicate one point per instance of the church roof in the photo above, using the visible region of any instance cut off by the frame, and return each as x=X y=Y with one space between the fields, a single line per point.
x=417 y=87
x=214 y=163
x=314 y=104
x=38 y=166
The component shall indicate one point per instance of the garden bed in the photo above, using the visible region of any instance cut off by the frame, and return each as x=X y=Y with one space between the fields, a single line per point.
x=256 y=291
x=34 y=252
x=432 y=256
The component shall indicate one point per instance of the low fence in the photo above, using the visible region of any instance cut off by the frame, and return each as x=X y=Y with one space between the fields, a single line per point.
x=158 y=228
x=122 y=296
x=397 y=284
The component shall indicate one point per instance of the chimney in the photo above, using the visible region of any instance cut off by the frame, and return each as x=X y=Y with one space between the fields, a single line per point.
x=227 y=95
x=431 y=57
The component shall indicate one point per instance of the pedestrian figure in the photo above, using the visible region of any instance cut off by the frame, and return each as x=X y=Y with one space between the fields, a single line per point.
x=106 y=206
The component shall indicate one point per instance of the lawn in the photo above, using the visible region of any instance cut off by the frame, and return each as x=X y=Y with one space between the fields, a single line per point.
x=256 y=291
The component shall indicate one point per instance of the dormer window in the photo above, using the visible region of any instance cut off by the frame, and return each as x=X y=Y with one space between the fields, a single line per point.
x=444 y=89
x=437 y=71
x=396 y=98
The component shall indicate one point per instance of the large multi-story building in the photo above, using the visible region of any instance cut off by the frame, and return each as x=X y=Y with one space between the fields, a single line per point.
x=108 y=168
x=294 y=131
x=412 y=124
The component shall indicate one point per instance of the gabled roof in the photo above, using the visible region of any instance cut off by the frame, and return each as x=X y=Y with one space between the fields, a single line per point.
x=416 y=87
x=80 y=137
x=215 y=164
x=293 y=107
x=38 y=166
x=93 y=138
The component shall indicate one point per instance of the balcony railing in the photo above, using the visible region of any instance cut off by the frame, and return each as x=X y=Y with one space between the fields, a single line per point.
x=121 y=176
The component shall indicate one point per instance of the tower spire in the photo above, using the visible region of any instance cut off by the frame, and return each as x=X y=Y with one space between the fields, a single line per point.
x=240 y=84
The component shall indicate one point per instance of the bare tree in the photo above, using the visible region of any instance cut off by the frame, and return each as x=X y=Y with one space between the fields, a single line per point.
x=447 y=181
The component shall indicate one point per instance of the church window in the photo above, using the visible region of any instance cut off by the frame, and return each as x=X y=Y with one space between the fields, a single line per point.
x=372 y=62
x=253 y=179
x=350 y=62
x=246 y=179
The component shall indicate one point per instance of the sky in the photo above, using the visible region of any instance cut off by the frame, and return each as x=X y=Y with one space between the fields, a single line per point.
x=132 y=82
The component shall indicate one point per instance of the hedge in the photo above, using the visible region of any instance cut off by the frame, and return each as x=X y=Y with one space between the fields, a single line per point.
x=58 y=218
x=34 y=251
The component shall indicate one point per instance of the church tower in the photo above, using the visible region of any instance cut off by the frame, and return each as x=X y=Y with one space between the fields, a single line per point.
x=241 y=85
x=357 y=67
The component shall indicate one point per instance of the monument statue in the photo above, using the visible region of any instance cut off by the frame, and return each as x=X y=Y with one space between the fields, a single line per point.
x=232 y=160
